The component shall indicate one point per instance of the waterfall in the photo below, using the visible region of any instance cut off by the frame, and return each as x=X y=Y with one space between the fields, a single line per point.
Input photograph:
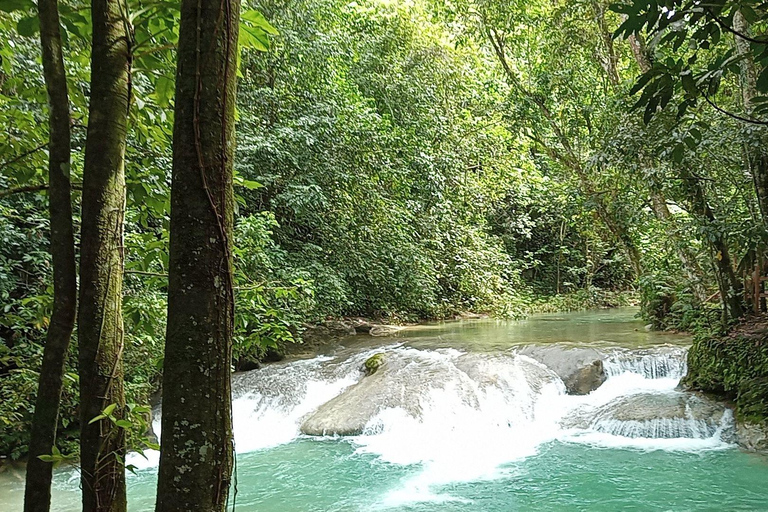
x=466 y=416
x=651 y=364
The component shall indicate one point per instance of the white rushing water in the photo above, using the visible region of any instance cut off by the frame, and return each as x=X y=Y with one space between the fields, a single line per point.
x=465 y=416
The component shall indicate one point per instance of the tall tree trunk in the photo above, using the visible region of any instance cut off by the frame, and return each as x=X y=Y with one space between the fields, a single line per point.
x=100 y=322
x=687 y=259
x=197 y=449
x=757 y=156
x=729 y=285
x=37 y=495
x=658 y=201
x=569 y=158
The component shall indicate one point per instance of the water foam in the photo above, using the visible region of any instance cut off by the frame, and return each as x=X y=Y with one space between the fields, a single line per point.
x=477 y=414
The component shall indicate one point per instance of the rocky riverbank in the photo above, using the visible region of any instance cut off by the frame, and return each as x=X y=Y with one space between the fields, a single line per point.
x=734 y=368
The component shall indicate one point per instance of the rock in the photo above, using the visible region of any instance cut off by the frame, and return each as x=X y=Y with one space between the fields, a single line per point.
x=339 y=328
x=648 y=327
x=655 y=415
x=349 y=413
x=373 y=363
x=581 y=369
x=752 y=436
x=384 y=330
x=328 y=330
x=361 y=325
x=405 y=380
x=248 y=365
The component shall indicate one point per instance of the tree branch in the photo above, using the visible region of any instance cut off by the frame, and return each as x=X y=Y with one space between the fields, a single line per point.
x=32 y=188
x=23 y=155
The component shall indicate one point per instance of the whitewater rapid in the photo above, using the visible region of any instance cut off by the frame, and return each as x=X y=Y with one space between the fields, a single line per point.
x=461 y=417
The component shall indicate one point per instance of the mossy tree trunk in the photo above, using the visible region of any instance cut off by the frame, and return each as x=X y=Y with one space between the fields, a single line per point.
x=728 y=283
x=37 y=495
x=100 y=323
x=755 y=136
x=196 y=441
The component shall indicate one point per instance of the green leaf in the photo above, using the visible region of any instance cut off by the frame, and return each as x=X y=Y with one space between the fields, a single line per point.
x=762 y=81
x=258 y=20
x=29 y=26
x=16 y=5
x=97 y=418
x=164 y=90
x=123 y=424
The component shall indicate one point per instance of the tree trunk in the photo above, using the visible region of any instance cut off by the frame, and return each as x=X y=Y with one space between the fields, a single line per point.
x=687 y=259
x=100 y=322
x=757 y=156
x=658 y=202
x=569 y=159
x=37 y=495
x=197 y=448
x=729 y=285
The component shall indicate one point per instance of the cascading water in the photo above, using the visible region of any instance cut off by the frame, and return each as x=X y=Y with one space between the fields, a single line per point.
x=462 y=420
x=463 y=416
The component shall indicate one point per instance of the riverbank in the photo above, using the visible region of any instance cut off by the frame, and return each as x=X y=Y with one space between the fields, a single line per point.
x=734 y=368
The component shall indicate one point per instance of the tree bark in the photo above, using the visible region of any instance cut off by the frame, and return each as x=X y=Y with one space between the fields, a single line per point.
x=729 y=285
x=100 y=323
x=197 y=448
x=755 y=139
x=687 y=259
x=37 y=494
x=569 y=159
x=658 y=201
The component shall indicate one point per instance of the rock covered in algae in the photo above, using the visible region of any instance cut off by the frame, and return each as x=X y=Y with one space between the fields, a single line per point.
x=373 y=363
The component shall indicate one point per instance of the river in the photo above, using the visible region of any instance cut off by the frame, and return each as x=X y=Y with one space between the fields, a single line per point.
x=467 y=416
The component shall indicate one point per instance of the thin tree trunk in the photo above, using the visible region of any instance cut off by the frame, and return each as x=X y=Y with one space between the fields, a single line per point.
x=37 y=494
x=196 y=457
x=100 y=323
x=757 y=156
x=729 y=285
x=687 y=259
x=659 y=203
x=569 y=158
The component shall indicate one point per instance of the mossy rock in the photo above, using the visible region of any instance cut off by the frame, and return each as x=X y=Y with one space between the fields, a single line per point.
x=733 y=367
x=373 y=363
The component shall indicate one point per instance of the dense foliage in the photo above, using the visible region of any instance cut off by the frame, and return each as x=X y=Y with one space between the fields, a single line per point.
x=399 y=160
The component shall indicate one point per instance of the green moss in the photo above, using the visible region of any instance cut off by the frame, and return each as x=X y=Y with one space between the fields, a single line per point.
x=734 y=367
x=373 y=363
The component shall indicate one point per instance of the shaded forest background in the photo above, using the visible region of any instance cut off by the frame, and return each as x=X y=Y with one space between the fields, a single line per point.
x=397 y=160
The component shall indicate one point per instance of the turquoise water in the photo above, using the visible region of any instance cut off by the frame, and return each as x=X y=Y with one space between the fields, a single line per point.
x=328 y=475
x=507 y=447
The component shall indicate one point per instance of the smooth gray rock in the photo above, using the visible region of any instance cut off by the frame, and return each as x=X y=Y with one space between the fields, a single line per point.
x=384 y=330
x=581 y=369
x=655 y=415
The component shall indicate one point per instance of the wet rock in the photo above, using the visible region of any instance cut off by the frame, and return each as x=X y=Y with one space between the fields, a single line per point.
x=384 y=330
x=406 y=379
x=656 y=415
x=348 y=413
x=373 y=363
x=581 y=369
x=752 y=436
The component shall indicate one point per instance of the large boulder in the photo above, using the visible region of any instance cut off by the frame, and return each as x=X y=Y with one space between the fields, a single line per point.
x=655 y=415
x=581 y=369
x=348 y=413
x=405 y=379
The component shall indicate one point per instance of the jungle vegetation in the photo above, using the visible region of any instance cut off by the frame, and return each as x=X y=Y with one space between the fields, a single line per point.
x=399 y=160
